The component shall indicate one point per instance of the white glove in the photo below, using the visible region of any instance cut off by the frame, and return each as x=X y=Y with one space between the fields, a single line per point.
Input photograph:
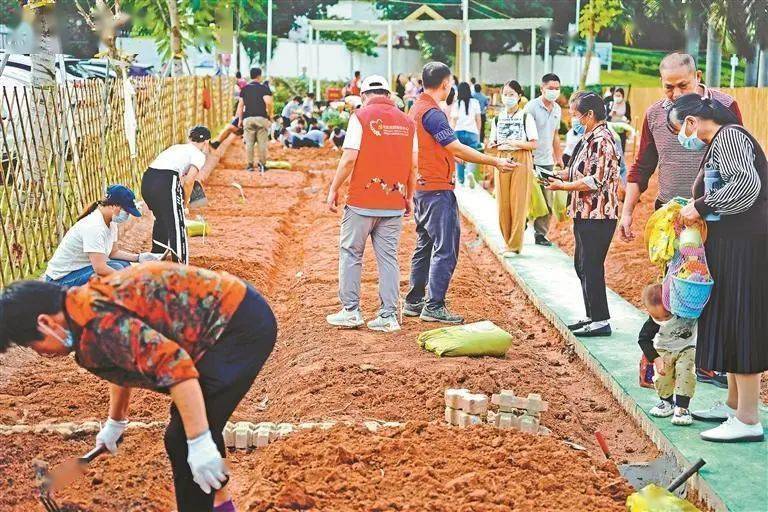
x=150 y=256
x=110 y=433
x=204 y=459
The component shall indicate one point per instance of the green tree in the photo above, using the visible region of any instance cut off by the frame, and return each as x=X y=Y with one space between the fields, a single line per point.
x=595 y=16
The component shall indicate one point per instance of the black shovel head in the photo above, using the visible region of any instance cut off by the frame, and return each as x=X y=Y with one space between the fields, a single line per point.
x=197 y=198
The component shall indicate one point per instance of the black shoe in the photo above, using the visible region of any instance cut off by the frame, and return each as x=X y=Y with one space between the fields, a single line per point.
x=579 y=324
x=440 y=314
x=249 y=168
x=215 y=144
x=261 y=167
x=542 y=240
x=413 y=310
x=711 y=377
x=589 y=332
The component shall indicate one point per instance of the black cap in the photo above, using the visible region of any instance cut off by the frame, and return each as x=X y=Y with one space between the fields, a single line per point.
x=199 y=133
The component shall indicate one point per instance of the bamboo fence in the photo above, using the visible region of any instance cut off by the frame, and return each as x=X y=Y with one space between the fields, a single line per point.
x=62 y=145
x=752 y=101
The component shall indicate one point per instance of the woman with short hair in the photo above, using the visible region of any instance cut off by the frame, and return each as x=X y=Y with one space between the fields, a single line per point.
x=733 y=326
x=592 y=178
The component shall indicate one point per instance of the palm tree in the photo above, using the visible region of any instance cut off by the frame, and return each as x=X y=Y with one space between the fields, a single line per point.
x=757 y=23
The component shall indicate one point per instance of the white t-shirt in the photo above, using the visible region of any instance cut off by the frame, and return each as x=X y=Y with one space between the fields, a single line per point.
x=179 y=158
x=90 y=234
x=466 y=122
x=354 y=136
x=507 y=128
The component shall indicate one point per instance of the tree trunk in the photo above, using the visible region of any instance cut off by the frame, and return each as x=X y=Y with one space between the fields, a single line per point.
x=714 y=57
x=692 y=33
x=762 y=77
x=750 y=72
x=587 y=60
x=176 y=49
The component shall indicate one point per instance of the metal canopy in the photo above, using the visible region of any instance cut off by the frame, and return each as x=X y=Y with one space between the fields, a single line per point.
x=432 y=25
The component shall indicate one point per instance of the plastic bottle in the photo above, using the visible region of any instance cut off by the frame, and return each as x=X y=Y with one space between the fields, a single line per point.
x=712 y=182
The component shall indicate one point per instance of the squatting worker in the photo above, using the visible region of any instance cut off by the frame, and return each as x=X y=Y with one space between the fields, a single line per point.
x=659 y=149
x=254 y=111
x=593 y=180
x=732 y=327
x=435 y=208
x=548 y=153
x=514 y=135
x=164 y=187
x=198 y=335
x=380 y=156
x=90 y=245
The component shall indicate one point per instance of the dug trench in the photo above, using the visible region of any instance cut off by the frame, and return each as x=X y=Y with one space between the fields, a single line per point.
x=280 y=235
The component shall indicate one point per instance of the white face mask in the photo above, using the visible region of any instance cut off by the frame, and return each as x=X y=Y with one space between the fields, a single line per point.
x=66 y=339
x=551 y=94
x=120 y=217
x=510 y=101
x=618 y=99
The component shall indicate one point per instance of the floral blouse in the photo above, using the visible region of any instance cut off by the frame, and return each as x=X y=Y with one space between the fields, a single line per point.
x=596 y=159
x=147 y=325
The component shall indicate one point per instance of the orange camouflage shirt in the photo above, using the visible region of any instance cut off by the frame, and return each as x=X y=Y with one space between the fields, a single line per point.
x=146 y=326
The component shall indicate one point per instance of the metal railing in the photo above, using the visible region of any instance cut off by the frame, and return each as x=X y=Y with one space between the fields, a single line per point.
x=61 y=145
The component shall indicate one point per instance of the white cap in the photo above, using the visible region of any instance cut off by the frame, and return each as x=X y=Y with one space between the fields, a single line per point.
x=373 y=82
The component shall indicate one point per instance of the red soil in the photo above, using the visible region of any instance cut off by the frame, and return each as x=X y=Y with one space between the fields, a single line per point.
x=285 y=241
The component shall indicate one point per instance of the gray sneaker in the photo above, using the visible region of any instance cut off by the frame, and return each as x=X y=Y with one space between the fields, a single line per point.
x=413 y=310
x=440 y=314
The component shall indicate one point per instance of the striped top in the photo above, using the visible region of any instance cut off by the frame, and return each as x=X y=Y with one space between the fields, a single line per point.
x=659 y=148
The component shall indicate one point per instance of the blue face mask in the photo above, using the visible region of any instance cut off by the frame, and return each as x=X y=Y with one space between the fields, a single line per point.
x=691 y=142
x=120 y=217
x=578 y=128
x=67 y=339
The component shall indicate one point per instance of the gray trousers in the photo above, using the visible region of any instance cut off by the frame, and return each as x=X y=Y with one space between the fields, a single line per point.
x=256 y=132
x=541 y=224
x=385 y=238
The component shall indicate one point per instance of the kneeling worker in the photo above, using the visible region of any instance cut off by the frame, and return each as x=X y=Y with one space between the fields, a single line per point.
x=380 y=156
x=199 y=335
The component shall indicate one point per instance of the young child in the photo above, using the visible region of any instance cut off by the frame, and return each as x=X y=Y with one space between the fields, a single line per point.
x=669 y=341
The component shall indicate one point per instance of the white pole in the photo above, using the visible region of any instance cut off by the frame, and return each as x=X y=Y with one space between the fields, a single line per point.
x=465 y=72
x=547 y=68
x=269 y=37
x=389 y=54
x=533 y=63
x=311 y=66
x=318 y=92
x=734 y=63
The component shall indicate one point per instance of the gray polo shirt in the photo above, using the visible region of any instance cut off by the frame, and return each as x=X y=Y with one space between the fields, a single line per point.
x=546 y=123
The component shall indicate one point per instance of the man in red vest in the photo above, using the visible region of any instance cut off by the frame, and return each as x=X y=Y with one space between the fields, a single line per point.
x=379 y=155
x=435 y=209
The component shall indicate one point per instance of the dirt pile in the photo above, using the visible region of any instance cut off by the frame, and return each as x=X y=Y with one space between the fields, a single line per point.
x=429 y=467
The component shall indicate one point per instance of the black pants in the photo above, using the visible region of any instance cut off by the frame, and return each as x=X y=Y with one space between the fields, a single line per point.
x=593 y=239
x=164 y=195
x=483 y=119
x=227 y=371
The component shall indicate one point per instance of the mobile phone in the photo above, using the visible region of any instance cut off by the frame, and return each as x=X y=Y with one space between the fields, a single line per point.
x=544 y=174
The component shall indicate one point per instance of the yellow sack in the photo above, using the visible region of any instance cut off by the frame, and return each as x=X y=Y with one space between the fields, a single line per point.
x=477 y=339
x=653 y=498
x=660 y=234
x=560 y=204
x=278 y=164
x=198 y=228
x=537 y=206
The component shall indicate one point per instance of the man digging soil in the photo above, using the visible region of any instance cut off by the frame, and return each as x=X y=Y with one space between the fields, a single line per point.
x=199 y=335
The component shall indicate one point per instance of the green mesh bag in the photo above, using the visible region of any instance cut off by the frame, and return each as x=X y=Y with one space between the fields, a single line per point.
x=477 y=339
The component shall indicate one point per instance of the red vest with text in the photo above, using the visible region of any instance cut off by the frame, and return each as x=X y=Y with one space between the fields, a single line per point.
x=380 y=177
x=436 y=163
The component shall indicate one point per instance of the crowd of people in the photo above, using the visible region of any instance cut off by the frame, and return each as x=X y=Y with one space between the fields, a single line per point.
x=203 y=336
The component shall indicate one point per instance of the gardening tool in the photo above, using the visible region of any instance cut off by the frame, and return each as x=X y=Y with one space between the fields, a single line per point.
x=646 y=475
x=197 y=198
x=62 y=475
x=239 y=188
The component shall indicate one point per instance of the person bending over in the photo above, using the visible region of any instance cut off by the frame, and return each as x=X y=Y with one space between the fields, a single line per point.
x=90 y=245
x=200 y=336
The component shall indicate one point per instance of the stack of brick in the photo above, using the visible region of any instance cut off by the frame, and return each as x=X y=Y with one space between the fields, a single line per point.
x=244 y=434
x=463 y=408
x=516 y=412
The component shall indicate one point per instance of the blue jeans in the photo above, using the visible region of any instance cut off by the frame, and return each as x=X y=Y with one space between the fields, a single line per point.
x=437 y=247
x=80 y=277
x=472 y=140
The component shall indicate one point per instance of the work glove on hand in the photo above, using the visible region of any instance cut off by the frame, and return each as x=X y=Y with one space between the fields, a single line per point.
x=150 y=256
x=110 y=433
x=204 y=459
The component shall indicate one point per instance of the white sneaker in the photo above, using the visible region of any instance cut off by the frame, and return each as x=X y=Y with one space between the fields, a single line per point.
x=384 y=324
x=662 y=409
x=718 y=412
x=734 y=431
x=346 y=319
x=682 y=416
